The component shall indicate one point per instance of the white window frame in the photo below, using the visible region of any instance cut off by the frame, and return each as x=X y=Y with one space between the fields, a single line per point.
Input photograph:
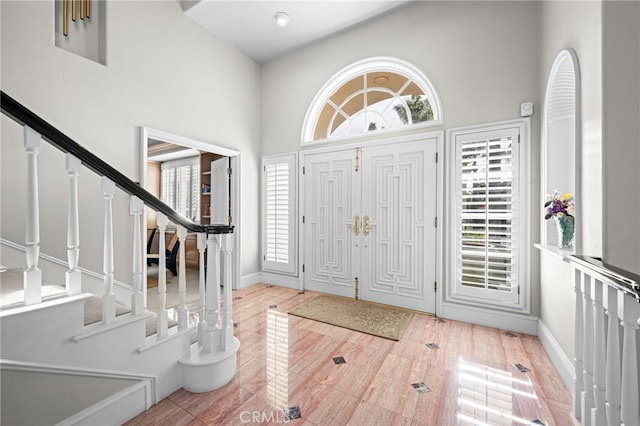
x=290 y=266
x=454 y=293
x=382 y=63
x=194 y=184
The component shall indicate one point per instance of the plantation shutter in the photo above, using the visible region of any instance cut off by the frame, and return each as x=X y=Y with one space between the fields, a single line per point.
x=180 y=186
x=168 y=182
x=279 y=219
x=488 y=214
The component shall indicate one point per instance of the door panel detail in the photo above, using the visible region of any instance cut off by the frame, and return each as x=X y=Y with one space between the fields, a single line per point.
x=329 y=231
x=370 y=227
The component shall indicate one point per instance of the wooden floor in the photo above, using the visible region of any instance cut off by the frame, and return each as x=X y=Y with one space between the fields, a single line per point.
x=441 y=372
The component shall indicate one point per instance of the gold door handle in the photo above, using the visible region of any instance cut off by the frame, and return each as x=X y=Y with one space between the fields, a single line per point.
x=356 y=225
x=365 y=227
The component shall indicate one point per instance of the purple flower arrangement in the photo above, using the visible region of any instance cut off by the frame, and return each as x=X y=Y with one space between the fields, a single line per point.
x=560 y=205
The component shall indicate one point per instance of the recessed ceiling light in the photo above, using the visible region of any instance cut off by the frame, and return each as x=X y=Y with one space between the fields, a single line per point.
x=282 y=19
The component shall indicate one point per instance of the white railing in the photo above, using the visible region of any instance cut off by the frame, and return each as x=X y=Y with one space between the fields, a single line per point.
x=606 y=388
x=215 y=352
x=212 y=320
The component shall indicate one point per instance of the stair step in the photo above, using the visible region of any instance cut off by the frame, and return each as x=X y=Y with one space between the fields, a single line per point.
x=12 y=296
x=93 y=310
x=12 y=289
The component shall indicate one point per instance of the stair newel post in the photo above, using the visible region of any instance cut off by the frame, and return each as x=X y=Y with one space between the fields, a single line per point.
x=211 y=338
x=163 y=316
x=73 y=277
x=227 y=250
x=108 y=298
x=202 y=246
x=32 y=277
x=182 y=278
x=135 y=209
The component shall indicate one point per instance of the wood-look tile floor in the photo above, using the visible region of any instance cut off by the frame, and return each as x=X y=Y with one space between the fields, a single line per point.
x=441 y=372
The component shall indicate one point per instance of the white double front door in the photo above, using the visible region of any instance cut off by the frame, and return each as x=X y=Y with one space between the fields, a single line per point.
x=369 y=223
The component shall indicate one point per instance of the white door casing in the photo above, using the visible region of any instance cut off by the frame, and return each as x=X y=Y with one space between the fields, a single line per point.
x=369 y=214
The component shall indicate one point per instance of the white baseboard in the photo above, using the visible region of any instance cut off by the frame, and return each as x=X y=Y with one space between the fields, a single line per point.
x=281 y=280
x=564 y=366
x=491 y=318
x=251 y=279
x=270 y=278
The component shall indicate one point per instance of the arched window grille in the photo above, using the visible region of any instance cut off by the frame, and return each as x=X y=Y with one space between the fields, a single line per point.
x=370 y=95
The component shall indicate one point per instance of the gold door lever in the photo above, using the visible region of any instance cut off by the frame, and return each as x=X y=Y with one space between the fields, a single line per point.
x=365 y=227
x=356 y=225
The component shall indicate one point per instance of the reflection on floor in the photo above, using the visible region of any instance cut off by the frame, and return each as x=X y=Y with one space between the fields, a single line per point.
x=173 y=297
x=441 y=372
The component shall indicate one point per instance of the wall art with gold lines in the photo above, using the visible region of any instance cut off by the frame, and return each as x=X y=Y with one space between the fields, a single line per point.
x=80 y=27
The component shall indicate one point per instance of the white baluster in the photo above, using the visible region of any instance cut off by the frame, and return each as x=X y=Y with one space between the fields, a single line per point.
x=211 y=338
x=32 y=277
x=227 y=250
x=587 y=351
x=163 y=316
x=598 y=413
x=202 y=246
x=614 y=379
x=73 y=277
x=137 y=298
x=578 y=385
x=629 y=313
x=182 y=279
x=108 y=298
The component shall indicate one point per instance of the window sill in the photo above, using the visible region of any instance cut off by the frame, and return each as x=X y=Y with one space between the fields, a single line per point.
x=555 y=251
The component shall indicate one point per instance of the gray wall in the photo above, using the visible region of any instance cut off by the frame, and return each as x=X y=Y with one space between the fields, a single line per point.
x=481 y=57
x=621 y=133
x=163 y=71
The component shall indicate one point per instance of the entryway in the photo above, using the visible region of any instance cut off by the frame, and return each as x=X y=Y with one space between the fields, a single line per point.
x=370 y=222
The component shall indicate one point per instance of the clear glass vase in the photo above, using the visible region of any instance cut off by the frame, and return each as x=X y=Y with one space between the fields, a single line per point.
x=566 y=231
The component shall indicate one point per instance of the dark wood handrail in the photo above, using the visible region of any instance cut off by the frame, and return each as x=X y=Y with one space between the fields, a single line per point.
x=25 y=117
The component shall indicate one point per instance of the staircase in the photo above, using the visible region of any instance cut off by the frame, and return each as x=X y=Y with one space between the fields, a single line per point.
x=85 y=344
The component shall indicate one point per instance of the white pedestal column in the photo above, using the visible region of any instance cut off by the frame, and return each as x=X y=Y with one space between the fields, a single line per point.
x=73 y=277
x=32 y=277
x=212 y=338
x=182 y=279
x=108 y=298
x=135 y=209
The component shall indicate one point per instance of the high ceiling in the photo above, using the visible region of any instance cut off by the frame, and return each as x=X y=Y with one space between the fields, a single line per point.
x=251 y=26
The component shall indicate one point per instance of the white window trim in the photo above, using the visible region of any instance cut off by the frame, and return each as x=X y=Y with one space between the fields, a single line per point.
x=291 y=267
x=450 y=295
x=359 y=68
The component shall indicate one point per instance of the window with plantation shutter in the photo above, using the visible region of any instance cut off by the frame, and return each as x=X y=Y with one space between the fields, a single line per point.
x=279 y=217
x=488 y=234
x=180 y=186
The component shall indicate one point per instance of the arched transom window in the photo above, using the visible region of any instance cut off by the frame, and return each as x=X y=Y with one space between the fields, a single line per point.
x=371 y=95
